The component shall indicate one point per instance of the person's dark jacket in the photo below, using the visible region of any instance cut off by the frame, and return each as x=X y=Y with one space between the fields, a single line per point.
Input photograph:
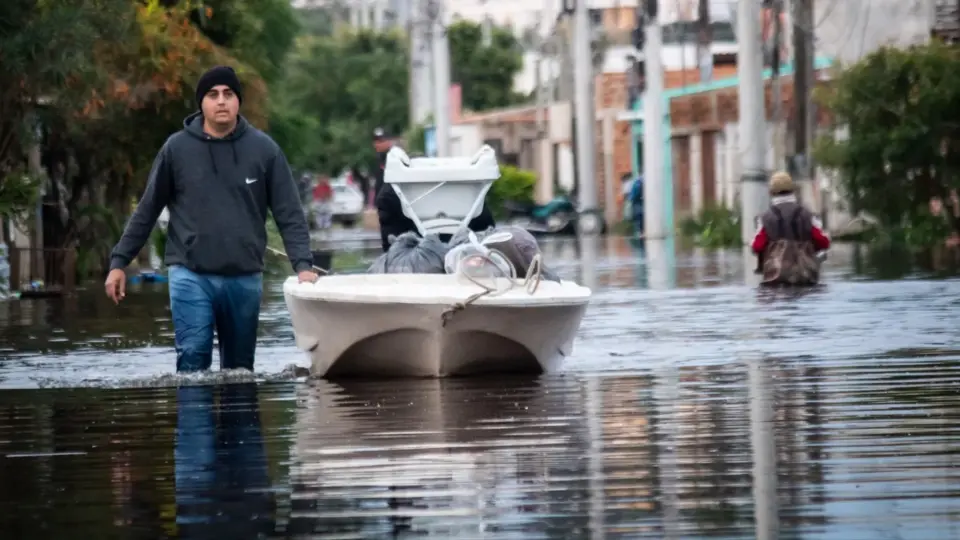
x=394 y=222
x=218 y=192
x=378 y=171
x=373 y=177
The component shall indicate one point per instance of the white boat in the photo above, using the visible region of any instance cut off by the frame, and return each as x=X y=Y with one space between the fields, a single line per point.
x=434 y=325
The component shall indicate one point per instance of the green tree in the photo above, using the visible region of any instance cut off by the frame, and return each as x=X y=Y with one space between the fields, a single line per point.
x=109 y=81
x=259 y=33
x=901 y=108
x=114 y=128
x=48 y=48
x=485 y=72
x=347 y=84
x=323 y=21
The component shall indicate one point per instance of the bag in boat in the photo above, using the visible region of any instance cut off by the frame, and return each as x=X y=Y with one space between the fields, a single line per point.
x=410 y=254
x=789 y=262
x=477 y=261
x=518 y=246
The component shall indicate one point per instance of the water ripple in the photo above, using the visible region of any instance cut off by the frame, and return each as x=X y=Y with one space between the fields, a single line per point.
x=694 y=406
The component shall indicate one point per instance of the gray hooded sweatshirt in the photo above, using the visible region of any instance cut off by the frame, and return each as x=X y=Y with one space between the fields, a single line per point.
x=217 y=192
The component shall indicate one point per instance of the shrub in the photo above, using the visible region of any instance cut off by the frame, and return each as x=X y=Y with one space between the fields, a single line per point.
x=514 y=184
x=716 y=226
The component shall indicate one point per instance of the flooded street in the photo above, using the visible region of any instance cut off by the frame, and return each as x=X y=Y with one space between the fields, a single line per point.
x=686 y=384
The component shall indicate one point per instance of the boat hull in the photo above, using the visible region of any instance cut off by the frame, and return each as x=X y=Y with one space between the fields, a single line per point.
x=350 y=339
x=406 y=325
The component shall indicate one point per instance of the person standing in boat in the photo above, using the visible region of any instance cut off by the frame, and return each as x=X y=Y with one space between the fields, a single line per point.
x=382 y=143
x=218 y=177
x=788 y=238
x=393 y=222
x=390 y=214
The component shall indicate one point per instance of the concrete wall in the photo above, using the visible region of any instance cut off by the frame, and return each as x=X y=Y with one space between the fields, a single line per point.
x=465 y=139
x=849 y=29
x=726 y=178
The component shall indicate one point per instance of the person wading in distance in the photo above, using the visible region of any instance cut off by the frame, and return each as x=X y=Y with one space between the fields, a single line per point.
x=217 y=176
x=788 y=238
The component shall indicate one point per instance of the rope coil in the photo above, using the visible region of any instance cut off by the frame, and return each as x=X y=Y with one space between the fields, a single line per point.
x=530 y=283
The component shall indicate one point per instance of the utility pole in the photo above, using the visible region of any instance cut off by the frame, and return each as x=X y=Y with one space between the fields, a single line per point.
x=803 y=50
x=441 y=77
x=754 y=198
x=380 y=15
x=547 y=44
x=655 y=222
x=776 y=85
x=486 y=30
x=788 y=28
x=585 y=118
x=543 y=100
x=354 y=11
x=704 y=40
x=421 y=87
x=364 y=14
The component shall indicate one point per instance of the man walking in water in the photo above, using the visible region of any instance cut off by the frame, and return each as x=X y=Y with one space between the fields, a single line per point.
x=218 y=176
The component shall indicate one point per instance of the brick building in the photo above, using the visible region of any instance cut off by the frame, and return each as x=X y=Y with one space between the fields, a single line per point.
x=946 y=20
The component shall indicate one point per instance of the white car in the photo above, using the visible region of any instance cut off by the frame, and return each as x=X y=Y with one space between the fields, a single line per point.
x=347 y=203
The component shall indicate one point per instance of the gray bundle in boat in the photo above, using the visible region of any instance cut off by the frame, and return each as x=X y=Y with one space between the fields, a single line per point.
x=519 y=250
x=410 y=254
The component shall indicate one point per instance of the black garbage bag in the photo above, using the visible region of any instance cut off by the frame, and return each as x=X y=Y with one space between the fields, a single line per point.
x=411 y=254
x=519 y=250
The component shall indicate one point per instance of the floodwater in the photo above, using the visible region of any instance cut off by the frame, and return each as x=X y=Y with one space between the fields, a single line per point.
x=694 y=406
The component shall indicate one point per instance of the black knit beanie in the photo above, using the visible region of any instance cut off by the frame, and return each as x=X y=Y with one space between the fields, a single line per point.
x=214 y=76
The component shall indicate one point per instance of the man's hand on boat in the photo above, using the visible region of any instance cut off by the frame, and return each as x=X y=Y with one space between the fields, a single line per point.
x=306 y=276
x=116 y=285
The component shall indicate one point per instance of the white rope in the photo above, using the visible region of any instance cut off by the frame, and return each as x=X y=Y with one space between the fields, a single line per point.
x=530 y=283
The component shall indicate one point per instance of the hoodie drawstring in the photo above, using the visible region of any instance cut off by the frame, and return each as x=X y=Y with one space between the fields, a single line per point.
x=213 y=159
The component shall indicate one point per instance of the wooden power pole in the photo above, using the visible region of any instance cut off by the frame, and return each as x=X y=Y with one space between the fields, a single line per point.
x=704 y=39
x=803 y=80
x=776 y=85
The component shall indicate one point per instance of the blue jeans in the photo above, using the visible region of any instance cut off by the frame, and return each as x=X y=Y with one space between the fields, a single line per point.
x=200 y=303
x=638 y=222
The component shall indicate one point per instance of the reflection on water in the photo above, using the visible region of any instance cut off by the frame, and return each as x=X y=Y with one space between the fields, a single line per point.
x=763 y=447
x=694 y=405
x=222 y=487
